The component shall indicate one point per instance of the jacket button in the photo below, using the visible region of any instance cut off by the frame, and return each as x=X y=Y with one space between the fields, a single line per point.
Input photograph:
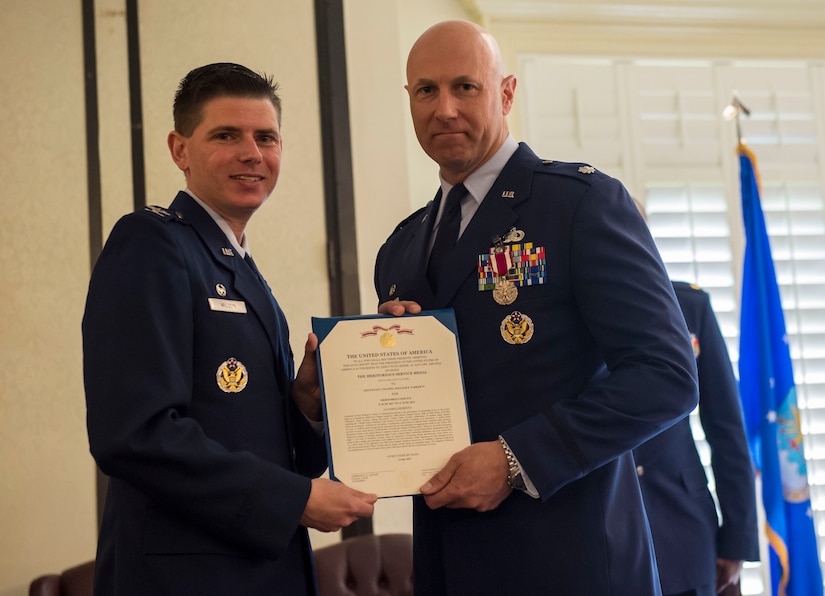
x=640 y=470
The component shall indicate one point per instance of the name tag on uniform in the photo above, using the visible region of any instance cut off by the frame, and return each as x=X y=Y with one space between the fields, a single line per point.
x=223 y=305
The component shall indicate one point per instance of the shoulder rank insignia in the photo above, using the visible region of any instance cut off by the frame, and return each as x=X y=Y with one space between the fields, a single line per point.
x=157 y=210
x=587 y=169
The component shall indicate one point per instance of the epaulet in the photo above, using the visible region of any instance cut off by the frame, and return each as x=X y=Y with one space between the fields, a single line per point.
x=160 y=212
x=688 y=286
x=411 y=217
x=582 y=171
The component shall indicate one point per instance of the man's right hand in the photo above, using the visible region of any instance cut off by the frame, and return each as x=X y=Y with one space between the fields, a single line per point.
x=332 y=505
x=399 y=307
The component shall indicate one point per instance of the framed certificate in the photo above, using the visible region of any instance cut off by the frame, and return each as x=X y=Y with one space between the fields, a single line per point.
x=393 y=397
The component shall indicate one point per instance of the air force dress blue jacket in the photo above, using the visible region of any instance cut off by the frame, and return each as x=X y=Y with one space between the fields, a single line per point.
x=188 y=371
x=590 y=360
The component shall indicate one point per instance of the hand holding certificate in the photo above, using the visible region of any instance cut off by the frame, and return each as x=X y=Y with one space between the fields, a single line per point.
x=393 y=397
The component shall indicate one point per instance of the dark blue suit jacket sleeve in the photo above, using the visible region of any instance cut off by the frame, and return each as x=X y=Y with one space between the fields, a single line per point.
x=687 y=533
x=720 y=413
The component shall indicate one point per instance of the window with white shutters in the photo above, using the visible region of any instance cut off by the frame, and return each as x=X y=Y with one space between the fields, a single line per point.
x=657 y=125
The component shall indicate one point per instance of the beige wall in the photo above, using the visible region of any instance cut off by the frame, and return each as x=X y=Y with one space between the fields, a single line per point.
x=46 y=475
x=47 y=495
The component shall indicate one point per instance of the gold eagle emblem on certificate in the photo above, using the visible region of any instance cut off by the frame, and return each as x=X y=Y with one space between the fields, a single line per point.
x=388 y=339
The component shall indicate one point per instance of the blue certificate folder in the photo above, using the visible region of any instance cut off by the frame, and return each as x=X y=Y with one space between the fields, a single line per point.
x=393 y=398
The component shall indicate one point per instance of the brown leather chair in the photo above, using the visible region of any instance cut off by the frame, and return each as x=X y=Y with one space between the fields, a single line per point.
x=370 y=565
x=75 y=581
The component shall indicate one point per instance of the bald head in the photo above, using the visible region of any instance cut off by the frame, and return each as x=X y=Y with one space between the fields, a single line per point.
x=459 y=96
x=456 y=36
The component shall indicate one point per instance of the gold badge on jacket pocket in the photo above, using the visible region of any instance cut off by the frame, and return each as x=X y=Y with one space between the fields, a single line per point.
x=232 y=376
x=517 y=328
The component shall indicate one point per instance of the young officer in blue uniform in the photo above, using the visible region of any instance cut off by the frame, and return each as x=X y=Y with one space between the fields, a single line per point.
x=212 y=447
x=573 y=346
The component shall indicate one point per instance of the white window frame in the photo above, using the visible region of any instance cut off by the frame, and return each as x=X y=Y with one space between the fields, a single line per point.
x=595 y=110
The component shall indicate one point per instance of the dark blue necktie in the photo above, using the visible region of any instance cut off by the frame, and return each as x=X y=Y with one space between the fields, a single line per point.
x=447 y=234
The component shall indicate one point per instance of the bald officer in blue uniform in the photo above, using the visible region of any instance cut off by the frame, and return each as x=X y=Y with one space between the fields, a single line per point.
x=573 y=346
x=212 y=448
x=697 y=555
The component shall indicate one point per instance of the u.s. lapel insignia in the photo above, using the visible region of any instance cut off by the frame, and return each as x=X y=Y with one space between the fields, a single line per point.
x=232 y=376
x=508 y=194
x=220 y=289
x=517 y=328
x=227 y=252
x=694 y=341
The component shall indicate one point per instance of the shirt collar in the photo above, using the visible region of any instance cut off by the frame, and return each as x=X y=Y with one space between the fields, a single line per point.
x=240 y=248
x=479 y=183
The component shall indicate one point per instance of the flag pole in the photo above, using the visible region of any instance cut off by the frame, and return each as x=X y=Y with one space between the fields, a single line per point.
x=735 y=109
x=769 y=401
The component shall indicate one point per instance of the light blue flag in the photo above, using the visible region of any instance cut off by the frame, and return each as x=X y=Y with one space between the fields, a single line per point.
x=769 y=403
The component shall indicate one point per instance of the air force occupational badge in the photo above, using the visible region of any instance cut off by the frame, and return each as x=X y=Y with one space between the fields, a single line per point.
x=232 y=376
x=517 y=328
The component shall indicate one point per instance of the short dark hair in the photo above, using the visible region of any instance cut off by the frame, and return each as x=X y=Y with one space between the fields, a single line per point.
x=222 y=79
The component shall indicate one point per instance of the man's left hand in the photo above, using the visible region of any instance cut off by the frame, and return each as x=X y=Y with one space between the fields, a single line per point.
x=727 y=573
x=474 y=478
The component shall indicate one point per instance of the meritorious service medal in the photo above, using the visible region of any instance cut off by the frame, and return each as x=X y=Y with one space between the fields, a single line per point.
x=505 y=292
x=507 y=267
